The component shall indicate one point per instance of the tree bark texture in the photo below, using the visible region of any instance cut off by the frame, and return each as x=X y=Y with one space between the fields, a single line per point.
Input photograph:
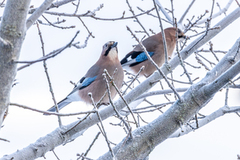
x=12 y=33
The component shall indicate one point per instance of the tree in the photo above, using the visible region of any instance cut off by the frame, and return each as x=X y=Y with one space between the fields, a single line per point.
x=180 y=112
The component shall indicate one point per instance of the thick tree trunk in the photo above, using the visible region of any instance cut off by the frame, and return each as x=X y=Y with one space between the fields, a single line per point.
x=12 y=33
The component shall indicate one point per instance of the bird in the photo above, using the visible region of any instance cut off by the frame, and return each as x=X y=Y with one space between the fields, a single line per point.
x=94 y=81
x=154 y=45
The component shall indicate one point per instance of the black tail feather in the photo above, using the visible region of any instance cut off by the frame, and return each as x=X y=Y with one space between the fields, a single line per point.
x=60 y=104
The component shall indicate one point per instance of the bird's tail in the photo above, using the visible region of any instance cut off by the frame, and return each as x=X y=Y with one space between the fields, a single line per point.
x=60 y=104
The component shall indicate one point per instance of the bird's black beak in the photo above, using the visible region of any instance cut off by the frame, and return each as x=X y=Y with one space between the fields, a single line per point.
x=114 y=44
x=182 y=36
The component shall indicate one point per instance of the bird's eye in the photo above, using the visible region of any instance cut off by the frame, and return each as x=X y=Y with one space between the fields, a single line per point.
x=179 y=31
x=106 y=45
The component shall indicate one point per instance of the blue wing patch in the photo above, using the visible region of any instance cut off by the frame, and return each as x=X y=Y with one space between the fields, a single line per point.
x=87 y=81
x=142 y=56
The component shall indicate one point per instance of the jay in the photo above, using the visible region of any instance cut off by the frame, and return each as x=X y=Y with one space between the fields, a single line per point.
x=94 y=81
x=154 y=45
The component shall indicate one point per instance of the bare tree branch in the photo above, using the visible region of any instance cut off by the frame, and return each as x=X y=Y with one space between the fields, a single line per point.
x=166 y=91
x=131 y=10
x=185 y=13
x=164 y=12
x=163 y=34
x=97 y=18
x=202 y=122
x=50 y=113
x=48 y=76
x=218 y=13
x=38 y=12
x=50 y=55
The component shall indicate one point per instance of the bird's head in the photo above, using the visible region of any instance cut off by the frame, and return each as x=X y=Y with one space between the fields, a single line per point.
x=180 y=34
x=173 y=31
x=110 y=50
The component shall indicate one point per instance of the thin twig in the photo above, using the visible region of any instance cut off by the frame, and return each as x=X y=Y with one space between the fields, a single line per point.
x=215 y=51
x=97 y=18
x=211 y=63
x=119 y=93
x=238 y=6
x=89 y=148
x=139 y=116
x=190 y=24
x=178 y=81
x=147 y=13
x=135 y=77
x=218 y=13
x=185 y=13
x=200 y=62
x=207 y=26
x=166 y=91
x=77 y=6
x=5 y=140
x=165 y=95
x=90 y=33
x=211 y=50
x=144 y=109
x=47 y=75
x=55 y=155
x=172 y=11
x=114 y=108
x=197 y=67
x=50 y=113
x=2 y=3
x=50 y=55
x=83 y=157
x=180 y=57
x=131 y=10
x=171 y=74
x=217 y=27
x=70 y=27
x=83 y=45
x=102 y=127
x=163 y=34
x=47 y=24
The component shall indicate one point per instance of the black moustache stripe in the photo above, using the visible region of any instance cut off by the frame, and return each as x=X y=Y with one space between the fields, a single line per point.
x=107 y=51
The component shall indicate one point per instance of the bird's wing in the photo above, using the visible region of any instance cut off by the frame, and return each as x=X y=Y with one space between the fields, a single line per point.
x=135 y=57
x=84 y=82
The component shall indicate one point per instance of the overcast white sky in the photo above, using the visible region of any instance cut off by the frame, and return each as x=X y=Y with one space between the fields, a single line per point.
x=217 y=140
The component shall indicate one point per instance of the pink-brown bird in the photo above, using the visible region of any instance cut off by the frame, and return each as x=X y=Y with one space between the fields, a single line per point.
x=94 y=81
x=154 y=45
